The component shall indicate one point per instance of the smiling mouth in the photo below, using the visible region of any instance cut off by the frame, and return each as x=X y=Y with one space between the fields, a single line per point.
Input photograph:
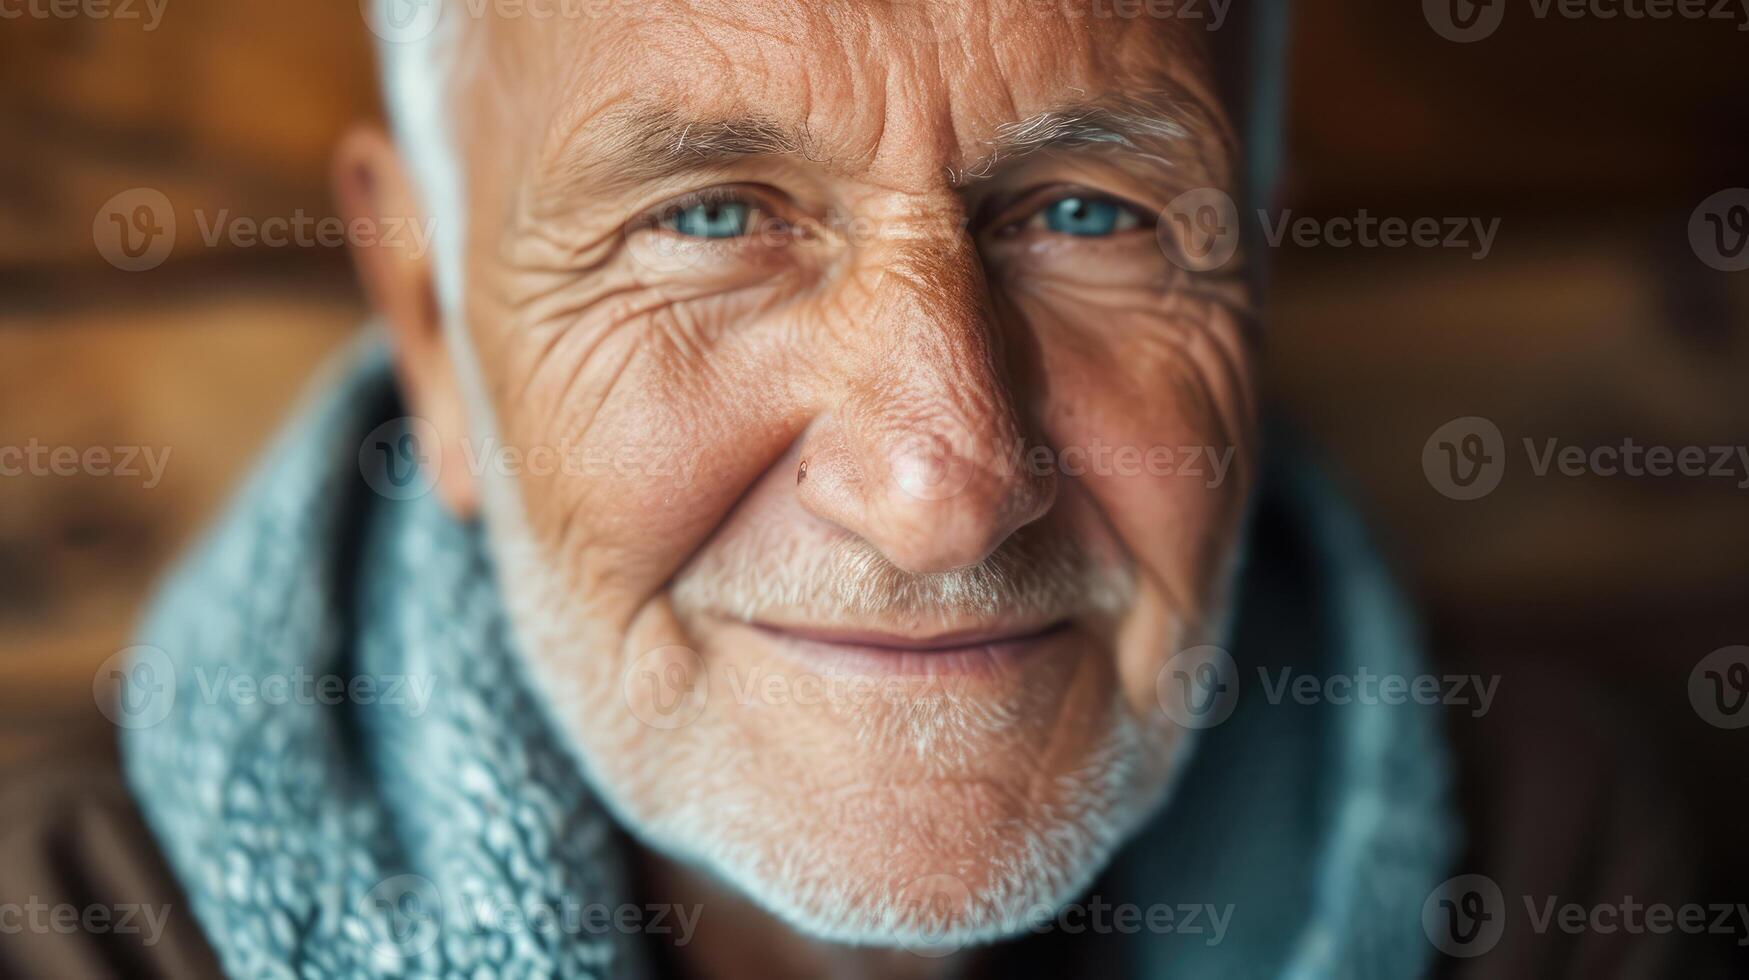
x=864 y=651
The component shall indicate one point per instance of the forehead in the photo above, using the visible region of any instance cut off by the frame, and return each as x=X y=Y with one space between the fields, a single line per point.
x=892 y=86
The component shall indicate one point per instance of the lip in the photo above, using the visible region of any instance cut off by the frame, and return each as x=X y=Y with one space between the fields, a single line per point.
x=865 y=652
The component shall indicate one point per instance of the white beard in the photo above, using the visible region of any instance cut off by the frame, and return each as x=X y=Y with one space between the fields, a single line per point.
x=686 y=793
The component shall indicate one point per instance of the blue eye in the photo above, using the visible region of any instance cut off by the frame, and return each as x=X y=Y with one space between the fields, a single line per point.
x=1088 y=217
x=712 y=219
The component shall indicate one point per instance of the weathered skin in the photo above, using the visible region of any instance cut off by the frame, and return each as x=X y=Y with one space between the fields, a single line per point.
x=903 y=330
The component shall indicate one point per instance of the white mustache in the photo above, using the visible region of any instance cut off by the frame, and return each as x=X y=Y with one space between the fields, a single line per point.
x=1031 y=575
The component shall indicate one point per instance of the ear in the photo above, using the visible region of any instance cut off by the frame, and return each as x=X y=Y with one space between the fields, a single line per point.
x=375 y=191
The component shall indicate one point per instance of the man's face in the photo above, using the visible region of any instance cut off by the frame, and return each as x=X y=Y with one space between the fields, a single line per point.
x=878 y=391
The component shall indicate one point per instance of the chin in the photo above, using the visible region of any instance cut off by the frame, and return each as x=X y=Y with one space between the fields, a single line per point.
x=862 y=833
x=937 y=865
x=922 y=810
x=944 y=788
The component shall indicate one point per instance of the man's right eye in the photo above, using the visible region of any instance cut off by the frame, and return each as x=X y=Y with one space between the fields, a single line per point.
x=709 y=219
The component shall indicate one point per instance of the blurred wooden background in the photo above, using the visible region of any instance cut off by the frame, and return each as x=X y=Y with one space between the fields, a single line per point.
x=1591 y=320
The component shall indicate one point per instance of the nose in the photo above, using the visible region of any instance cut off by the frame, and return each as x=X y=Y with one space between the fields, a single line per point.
x=924 y=456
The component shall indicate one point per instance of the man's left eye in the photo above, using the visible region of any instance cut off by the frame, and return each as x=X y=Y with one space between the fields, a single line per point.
x=709 y=219
x=1086 y=216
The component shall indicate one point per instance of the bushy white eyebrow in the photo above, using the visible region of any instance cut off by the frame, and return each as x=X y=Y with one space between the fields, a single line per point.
x=729 y=139
x=1126 y=124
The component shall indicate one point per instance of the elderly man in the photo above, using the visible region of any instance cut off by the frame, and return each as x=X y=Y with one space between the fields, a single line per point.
x=805 y=517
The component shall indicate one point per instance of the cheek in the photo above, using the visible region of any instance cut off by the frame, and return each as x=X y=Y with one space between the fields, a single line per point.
x=650 y=427
x=1149 y=411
